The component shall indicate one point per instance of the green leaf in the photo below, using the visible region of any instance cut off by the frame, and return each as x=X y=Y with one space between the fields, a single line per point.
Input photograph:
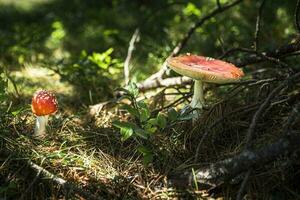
x=147 y=154
x=172 y=114
x=16 y=112
x=141 y=133
x=152 y=121
x=102 y=60
x=126 y=133
x=133 y=111
x=147 y=159
x=120 y=124
x=191 y=9
x=133 y=89
x=152 y=129
x=144 y=150
x=142 y=104
x=144 y=111
x=144 y=114
x=126 y=129
x=161 y=120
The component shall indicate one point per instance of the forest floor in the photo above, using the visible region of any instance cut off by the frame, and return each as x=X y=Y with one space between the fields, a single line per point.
x=102 y=144
x=87 y=151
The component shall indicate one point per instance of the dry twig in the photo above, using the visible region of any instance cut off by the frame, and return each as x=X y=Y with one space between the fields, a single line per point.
x=135 y=38
x=264 y=106
x=218 y=172
x=257 y=27
x=243 y=185
x=65 y=184
x=184 y=40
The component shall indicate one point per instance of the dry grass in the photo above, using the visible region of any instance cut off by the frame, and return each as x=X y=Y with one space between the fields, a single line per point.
x=89 y=152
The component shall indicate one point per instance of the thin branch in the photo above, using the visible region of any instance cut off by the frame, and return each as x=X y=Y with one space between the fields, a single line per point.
x=265 y=105
x=238 y=111
x=243 y=185
x=65 y=184
x=221 y=171
x=184 y=40
x=263 y=55
x=297 y=16
x=194 y=27
x=257 y=27
x=294 y=116
x=135 y=38
x=254 y=57
x=281 y=52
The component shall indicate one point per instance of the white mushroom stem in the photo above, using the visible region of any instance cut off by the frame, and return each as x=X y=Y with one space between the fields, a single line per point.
x=198 y=98
x=40 y=125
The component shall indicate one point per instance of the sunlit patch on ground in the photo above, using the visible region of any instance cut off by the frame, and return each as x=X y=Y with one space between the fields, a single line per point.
x=25 y=5
x=31 y=78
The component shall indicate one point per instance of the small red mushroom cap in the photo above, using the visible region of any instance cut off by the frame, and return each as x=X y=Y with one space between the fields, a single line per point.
x=43 y=103
x=205 y=68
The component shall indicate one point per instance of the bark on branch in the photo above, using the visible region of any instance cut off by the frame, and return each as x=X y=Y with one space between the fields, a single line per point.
x=168 y=82
x=224 y=170
x=65 y=184
x=281 y=52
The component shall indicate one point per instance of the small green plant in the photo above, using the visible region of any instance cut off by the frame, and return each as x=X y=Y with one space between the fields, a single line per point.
x=143 y=125
x=93 y=75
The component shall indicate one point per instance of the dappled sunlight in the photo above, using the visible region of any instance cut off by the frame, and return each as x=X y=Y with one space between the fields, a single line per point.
x=31 y=78
x=124 y=128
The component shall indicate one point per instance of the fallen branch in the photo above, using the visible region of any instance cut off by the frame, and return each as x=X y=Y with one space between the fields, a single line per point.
x=224 y=170
x=65 y=184
x=219 y=172
x=254 y=57
x=219 y=9
x=168 y=82
x=280 y=52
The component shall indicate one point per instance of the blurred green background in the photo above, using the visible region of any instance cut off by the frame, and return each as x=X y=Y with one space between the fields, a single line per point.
x=83 y=43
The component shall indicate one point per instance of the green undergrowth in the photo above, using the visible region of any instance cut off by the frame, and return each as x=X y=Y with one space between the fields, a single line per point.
x=129 y=149
x=129 y=146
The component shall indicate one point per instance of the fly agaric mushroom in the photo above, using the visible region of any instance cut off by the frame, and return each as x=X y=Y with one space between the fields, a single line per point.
x=204 y=69
x=43 y=104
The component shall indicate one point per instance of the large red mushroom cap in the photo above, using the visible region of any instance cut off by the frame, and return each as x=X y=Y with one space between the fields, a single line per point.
x=43 y=103
x=205 y=69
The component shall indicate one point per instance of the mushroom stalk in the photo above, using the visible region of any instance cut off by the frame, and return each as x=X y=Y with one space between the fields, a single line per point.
x=40 y=125
x=198 y=98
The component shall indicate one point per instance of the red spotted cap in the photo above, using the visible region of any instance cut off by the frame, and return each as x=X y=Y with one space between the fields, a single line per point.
x=205 y=68
x=43 y=103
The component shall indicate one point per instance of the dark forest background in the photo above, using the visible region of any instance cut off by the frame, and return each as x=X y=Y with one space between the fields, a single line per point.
x=115 y=139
